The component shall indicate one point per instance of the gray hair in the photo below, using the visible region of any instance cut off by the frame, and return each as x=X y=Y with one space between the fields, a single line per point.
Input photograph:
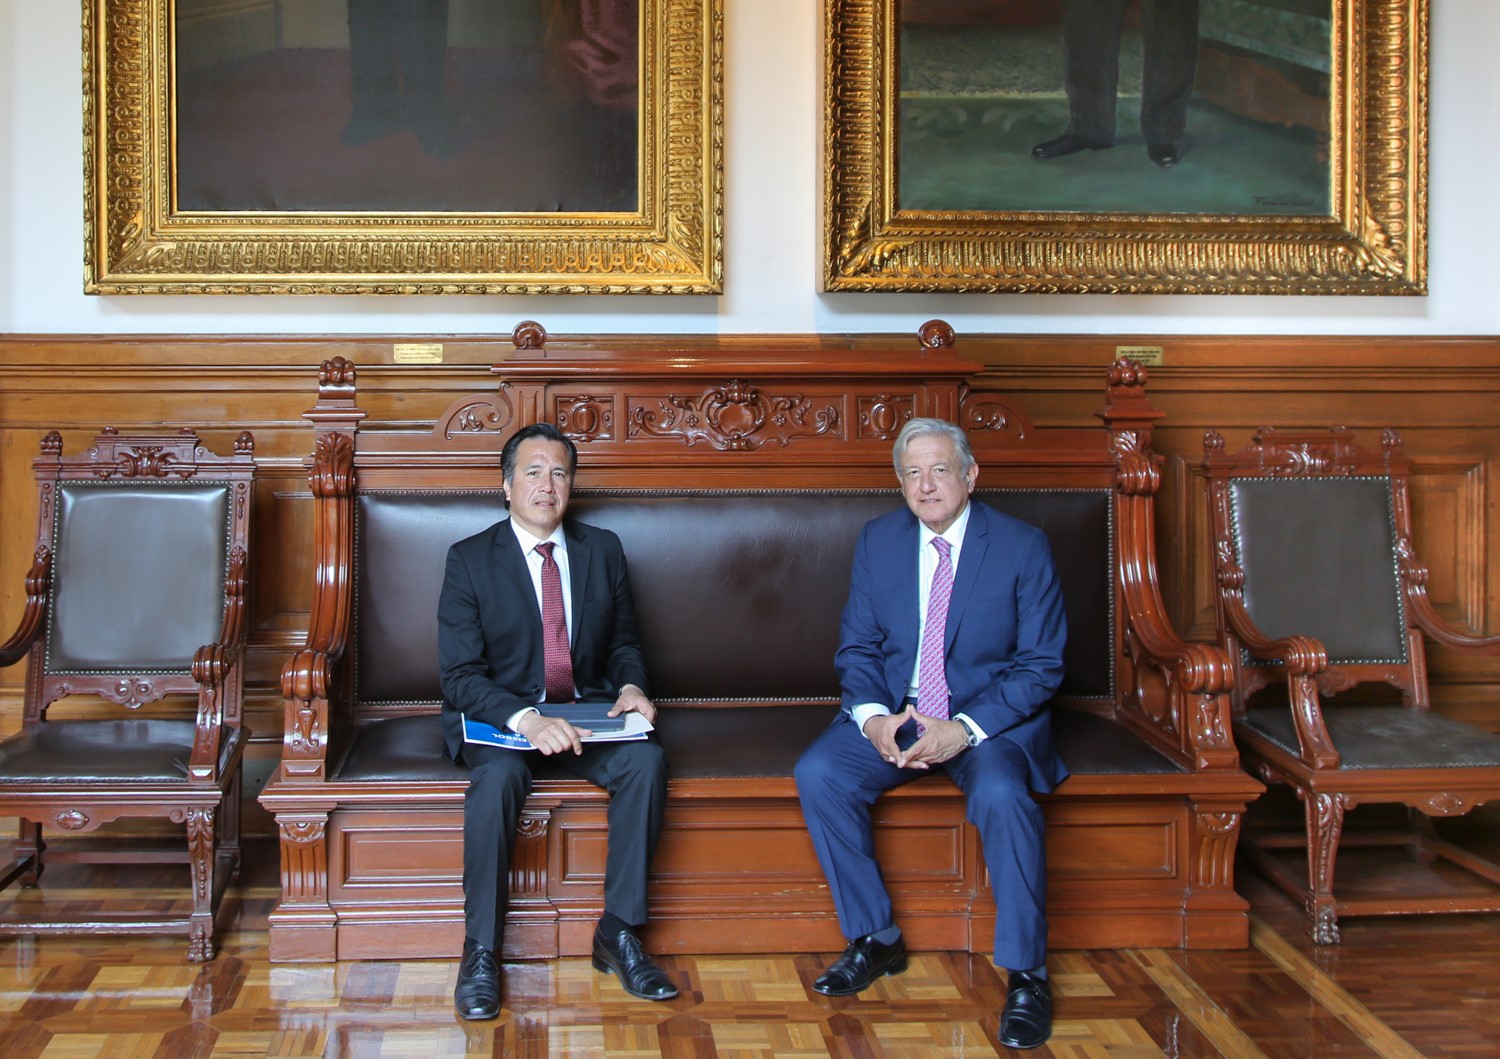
x=927 y=428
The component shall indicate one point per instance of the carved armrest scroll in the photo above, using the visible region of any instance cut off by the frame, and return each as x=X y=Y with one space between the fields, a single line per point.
x=1302 y=657
x=211 y=666
x=38 y=584
x=1426 y=617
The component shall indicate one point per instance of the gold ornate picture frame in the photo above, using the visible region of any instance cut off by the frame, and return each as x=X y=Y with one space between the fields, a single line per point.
x=147 y=231
x=1366 y=236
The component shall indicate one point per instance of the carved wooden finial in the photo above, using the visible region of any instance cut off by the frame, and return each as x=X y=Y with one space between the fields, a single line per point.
x=936 y=334
x=335 y=377
x=244 y=445
x=528 y=334
x=1127 y=372
x=52 y=444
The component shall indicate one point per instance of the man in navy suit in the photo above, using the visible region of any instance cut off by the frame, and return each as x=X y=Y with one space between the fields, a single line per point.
x=496 y=668
x=979 y=590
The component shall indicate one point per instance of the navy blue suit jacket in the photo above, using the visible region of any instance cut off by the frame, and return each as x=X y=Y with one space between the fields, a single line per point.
x=1005 y=629
x=490 y=653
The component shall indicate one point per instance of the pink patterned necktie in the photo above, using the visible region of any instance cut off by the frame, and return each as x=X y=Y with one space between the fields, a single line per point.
x=932 y=682
x=557 y=659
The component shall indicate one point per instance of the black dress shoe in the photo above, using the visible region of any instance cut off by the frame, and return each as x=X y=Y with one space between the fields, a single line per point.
x=623 y=955
x=1065 y=144
x=863 y=961
x=1165 y=155
x=477 y=995
x=1027 y=1019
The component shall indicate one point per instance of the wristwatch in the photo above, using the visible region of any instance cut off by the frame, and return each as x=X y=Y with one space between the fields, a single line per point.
x=973 y=736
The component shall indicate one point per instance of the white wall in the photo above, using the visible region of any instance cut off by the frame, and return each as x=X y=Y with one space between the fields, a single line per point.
x=772 y=162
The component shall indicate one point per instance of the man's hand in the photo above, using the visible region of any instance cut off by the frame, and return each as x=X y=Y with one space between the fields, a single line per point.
x=551 y=735
x=943 y=741
x=633 y=700
x=881 y=731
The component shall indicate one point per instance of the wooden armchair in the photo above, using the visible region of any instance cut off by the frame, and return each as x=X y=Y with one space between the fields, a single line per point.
x=136 y=594
x=1319 y=587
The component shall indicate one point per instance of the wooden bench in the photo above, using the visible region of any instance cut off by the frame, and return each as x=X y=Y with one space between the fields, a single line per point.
x=738 y=490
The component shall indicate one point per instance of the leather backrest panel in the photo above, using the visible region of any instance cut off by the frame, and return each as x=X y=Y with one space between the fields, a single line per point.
x=738 y=593
x=1319 y=556
x=139 y=575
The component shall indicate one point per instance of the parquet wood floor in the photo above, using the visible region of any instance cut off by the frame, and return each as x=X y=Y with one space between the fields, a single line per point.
x=1396 y=988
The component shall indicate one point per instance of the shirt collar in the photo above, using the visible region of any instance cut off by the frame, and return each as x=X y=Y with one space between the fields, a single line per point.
x=954 y=534
x=529 y=541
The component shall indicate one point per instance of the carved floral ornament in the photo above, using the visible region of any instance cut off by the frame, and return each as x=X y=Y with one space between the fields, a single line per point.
x=586 y=417
x=488 y=414
x=1292 y=454
x=735 y=417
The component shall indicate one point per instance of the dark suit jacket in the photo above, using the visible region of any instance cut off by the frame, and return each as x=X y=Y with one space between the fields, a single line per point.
x=1005 y=630
x=490 y=627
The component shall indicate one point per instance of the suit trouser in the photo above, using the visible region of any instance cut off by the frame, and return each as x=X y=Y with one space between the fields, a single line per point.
x=840 y=776
x=1091 y=50
x=634 y=774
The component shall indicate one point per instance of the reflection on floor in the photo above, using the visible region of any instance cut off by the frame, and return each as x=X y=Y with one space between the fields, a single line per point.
x=1414 y=986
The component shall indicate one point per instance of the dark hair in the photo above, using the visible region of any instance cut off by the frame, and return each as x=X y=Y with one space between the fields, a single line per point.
x=545 y=431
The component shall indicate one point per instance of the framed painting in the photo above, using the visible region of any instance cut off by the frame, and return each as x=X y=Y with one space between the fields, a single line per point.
x=403 y=146
x=1126 y=146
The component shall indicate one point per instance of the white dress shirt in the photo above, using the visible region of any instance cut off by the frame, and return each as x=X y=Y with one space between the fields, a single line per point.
x=927 y=563
x=528 y=544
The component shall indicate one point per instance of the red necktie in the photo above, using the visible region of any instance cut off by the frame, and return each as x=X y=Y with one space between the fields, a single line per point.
x=558 y=660
x=932 y=681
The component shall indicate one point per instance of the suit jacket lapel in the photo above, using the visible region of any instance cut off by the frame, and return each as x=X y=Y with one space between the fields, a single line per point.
x=512 y=572
x=971 y=558
x=580 y=561
x=907 y=590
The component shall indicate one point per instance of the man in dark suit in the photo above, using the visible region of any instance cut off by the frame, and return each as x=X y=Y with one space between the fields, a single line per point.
x=507 y=592
x=1091 y=61
x=950 y=648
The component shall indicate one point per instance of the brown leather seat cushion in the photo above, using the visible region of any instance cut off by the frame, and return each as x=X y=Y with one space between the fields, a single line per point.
x=708 y=743
x=146 y=750
x=1384 y=737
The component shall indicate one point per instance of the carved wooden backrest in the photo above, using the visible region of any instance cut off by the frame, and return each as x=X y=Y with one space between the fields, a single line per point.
x=144 y=538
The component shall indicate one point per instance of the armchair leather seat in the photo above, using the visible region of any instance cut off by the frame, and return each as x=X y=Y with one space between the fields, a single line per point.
x=1386 y=737
x=137 y=750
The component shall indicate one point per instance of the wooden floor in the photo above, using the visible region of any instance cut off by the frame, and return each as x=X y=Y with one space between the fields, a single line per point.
x=1414 y=986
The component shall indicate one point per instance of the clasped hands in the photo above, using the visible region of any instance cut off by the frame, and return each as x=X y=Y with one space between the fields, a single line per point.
x=942 y=741
x=553 y=735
